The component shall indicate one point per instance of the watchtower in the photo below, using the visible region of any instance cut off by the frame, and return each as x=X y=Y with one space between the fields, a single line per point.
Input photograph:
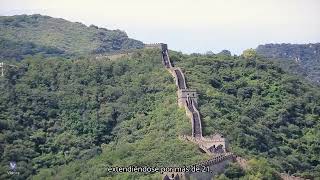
x=184 y=94
x=164 y=47
x=215 y=143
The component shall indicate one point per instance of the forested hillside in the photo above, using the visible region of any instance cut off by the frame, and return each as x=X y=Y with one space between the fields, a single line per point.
x=73 y=118
x=11 y=50
x=262 y=110
x=300 y=59
x=47 y=35
x=55 y=112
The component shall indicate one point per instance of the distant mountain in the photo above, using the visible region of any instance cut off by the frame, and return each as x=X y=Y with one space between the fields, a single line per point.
x=37 y=33
x=301 y=59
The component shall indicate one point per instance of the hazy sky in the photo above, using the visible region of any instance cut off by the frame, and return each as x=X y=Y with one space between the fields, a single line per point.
x=189 y=25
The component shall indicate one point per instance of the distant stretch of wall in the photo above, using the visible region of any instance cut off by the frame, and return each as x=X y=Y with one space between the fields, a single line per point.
x=153 y=45
x=125 y=52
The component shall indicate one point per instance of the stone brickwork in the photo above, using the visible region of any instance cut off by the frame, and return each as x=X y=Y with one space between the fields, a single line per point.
x=215 y=166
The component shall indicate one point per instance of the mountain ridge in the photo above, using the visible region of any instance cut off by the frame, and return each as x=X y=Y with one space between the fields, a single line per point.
x=71 y=37
x=300 y=59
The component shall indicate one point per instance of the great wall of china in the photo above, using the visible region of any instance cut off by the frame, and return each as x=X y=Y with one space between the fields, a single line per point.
x=188 y=99
x=216 y=145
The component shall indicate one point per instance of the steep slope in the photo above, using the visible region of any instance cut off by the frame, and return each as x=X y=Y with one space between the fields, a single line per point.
x=70 y=37
x=260 y=109
x=301 y=59
x=72 y=118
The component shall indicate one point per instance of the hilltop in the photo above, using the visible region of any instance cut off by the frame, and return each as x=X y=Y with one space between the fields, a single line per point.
x=300 y=59
x=33 y=34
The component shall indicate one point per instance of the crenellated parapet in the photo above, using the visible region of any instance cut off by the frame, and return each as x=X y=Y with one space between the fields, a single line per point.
x=208 y=168
x=216 y=159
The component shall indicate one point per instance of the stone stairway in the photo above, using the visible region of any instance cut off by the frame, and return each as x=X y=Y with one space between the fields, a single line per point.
x=187 y=98
x=214 y=145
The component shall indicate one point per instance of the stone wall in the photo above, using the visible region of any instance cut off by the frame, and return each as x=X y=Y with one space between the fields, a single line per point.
x=153 y=45
x=285 y=176
x=188 y=98
x=208 y=169
x=216 y=166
